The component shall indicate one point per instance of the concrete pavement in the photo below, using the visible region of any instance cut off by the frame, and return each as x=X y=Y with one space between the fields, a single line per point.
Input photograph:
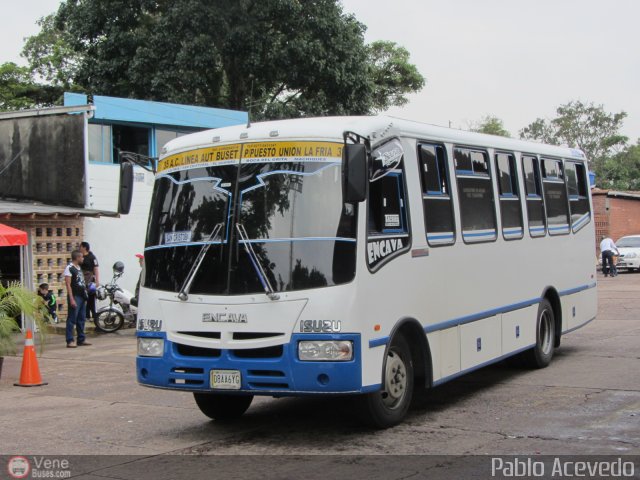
x=586 y=402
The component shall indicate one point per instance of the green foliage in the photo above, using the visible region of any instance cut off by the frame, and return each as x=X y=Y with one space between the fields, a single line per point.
x=584 y=126
x=18 y=90
x=622 y=171
x=50 y=55
x=392 y=75
x=14 y=301
x=278 y=58
x=491 y=125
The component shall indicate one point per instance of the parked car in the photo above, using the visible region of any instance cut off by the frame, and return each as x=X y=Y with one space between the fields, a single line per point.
x=629 y=248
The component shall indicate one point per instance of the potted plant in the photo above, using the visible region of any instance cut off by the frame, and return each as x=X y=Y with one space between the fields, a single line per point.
x=15 y=300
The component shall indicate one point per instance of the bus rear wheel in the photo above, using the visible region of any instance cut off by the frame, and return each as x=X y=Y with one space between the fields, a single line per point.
x=389 y=406
x=541 y=354
x=222 y=407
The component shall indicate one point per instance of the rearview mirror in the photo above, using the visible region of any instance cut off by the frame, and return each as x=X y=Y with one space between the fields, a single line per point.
x=126 y=188
x=354 y=173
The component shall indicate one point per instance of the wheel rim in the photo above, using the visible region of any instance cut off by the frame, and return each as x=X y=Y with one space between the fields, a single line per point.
x=545 y=332
x=395 y=380
x=108 y=320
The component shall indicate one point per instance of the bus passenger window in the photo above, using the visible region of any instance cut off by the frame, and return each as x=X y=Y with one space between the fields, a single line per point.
x=436 y=198
x=388 y=224
x=510 y=206
x=475 y=192
x=578 y=199
x=555 y=197
x=533 y=190
x=386 y=204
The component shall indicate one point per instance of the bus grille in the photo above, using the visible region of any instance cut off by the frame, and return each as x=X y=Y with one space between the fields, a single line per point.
x=265 y=352
x=191 y=351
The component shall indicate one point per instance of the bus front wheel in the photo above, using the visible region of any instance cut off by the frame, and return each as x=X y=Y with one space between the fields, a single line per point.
x=541 y=354
x=389 y=406
x=222 y=407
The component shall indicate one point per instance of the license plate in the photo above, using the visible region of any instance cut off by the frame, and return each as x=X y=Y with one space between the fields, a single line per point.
x=225 y=379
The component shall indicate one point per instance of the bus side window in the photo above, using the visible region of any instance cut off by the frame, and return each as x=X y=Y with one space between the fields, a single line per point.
x=576 y=179
x=475 y=192
x=535 y=204
x=510 y=206
x=436 y=197
x=387 y=204
x=555 y=197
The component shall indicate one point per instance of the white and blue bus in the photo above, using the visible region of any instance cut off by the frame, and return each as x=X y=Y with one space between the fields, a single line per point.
x=367 y=256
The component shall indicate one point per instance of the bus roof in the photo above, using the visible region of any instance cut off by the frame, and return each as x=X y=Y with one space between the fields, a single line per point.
x=377 y=128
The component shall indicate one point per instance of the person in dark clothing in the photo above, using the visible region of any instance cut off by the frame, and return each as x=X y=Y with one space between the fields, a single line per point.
x=49 y=300
x=91 y=272
x=77 y=299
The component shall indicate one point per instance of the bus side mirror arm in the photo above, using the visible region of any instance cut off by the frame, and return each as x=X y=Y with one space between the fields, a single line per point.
x=355 y=172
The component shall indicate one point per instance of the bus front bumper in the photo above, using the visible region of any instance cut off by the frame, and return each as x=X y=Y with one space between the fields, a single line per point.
x=275 y=371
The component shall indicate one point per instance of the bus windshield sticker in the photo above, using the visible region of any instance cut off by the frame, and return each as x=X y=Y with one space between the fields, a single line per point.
x=177 y=237
x=202 y=157
x=392 y=220
x=386 y=158
x=261 y=152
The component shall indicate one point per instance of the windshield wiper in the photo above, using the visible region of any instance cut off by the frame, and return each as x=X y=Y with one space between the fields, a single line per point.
x=186 y=286
x=262 y=276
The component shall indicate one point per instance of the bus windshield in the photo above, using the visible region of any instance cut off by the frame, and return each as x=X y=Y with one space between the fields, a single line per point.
x=302 y=233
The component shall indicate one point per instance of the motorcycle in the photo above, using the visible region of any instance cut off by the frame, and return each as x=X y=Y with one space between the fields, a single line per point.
x=120 y=310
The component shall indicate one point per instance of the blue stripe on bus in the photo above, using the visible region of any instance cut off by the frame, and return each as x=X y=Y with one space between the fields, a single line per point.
x=480 y=234
x=580 y=326
x=481 y=365
x=302 y=239
x=376 y=342
x=564 y=228
x=570 y=291
x=582 y=219
x=440 y=237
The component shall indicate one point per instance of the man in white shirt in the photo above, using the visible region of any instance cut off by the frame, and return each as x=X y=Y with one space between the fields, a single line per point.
x=608 y=249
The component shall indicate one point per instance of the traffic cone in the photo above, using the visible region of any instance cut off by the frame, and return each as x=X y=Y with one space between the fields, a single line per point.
x=30 y=373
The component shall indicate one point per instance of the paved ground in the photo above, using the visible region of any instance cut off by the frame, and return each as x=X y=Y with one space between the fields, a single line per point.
x=586 y=402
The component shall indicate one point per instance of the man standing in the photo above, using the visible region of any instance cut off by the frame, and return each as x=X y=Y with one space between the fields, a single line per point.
x=77 y=299
x=608 y=249
x=91 y=272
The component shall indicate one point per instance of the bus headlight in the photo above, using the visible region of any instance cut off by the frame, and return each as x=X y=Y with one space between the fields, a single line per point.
x=150 y=347
x=325 y=350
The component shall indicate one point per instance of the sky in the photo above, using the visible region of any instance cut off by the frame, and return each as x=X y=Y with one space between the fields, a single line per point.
x=514 y=59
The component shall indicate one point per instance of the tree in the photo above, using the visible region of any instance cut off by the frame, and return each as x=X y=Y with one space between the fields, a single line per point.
x=491 y=125
x=584 y=126
x=279 y=58
x=622 y=171
x=18 y=90
x=392 y=75
x=50 y=55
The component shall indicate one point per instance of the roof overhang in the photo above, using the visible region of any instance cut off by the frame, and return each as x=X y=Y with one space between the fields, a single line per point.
x=14 y=209
x=39 y=112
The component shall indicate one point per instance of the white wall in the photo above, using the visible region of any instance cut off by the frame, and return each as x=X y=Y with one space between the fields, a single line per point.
x=114 y=239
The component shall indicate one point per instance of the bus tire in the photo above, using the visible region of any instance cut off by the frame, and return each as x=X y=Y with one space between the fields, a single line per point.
x=541 y=354
x=222 y=407
x=388 y=406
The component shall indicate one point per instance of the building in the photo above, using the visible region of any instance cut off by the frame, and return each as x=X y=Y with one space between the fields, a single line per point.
x=59 y=178
x=616 y=213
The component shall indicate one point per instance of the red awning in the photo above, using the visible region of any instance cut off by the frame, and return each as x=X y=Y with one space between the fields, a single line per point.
x=11 y=237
